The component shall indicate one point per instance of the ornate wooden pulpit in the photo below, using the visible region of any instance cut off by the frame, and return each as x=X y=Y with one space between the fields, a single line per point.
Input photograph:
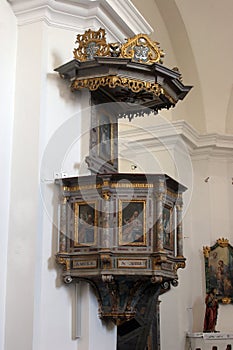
x=122 y=232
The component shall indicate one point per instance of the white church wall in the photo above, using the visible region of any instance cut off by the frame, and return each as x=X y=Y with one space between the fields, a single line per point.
x=204 y=165
x=8 y=32
x=39 y=307
x=40 y=313
x=24 y=218
x=207 y=219
x=210 y=221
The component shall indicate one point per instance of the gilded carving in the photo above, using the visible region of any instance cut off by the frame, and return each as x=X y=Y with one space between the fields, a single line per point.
x=206 y=251
x=80 y=188
x=223 y=242
x=106 y=195
x=179 y=265
x=226 y=300
x=91 y=44
x=106 y=261
x=112 y=81
x=130 y=185
x=141 y=49
x=64 y=261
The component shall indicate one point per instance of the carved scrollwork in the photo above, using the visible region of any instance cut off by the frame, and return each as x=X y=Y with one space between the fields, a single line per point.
x=90 y=44
x=68 y=279
x=174 y=282
x=113 y=81
x=165 y=285
x=141 y=49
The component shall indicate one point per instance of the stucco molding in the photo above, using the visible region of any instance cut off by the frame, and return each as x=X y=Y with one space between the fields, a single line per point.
x=173 y=134
x=120 y=19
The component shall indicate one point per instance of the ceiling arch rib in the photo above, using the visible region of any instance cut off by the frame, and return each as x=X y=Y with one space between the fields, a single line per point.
x=170 y=31
x=194 y=106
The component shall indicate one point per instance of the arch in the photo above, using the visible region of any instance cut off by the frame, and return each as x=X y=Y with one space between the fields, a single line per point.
x=193 y=111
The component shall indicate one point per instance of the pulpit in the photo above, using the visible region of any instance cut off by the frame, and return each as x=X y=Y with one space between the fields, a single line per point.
x=122 y=232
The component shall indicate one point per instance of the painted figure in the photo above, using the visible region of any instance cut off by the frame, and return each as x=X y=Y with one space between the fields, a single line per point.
x=105 y=143
x=132 y=230
x=166 y=228
x=211 y=312
x=86 y=228
x=221 y=275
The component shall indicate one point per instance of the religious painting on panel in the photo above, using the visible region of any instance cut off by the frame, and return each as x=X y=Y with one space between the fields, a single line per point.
x=132 y=225
x=168 y=234
x=85 y=224
x=219 y=270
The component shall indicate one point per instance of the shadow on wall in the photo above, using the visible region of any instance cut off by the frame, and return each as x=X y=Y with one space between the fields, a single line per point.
x=198 y=315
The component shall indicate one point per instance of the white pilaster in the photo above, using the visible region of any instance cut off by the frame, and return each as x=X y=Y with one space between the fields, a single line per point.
x=8 y=33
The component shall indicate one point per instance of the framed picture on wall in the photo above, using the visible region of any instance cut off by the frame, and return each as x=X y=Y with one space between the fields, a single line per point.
x=85 y=224
x=132 y=225
x=219 y=270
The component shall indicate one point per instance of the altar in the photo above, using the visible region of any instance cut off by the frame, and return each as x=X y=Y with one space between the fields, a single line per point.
x=209 y=341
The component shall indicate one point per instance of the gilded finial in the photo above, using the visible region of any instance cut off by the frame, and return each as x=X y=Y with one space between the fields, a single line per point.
x=223 y=242
x=139 y=49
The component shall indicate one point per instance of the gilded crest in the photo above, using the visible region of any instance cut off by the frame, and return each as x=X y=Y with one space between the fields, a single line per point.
x=90 y=44
x=139 y=49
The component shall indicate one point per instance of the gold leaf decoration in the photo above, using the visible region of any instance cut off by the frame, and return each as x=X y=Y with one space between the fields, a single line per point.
x=90 y=44
x=139 y=49
x=206 y=251
x=223 y=242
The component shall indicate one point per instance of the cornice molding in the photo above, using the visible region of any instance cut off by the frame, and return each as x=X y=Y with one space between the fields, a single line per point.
x=170 y=134
x=120 y=19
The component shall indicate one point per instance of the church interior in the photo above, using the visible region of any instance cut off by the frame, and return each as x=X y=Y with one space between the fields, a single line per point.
x=81 y=166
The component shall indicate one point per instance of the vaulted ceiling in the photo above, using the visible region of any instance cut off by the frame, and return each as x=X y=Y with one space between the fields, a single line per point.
x=196 y=36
